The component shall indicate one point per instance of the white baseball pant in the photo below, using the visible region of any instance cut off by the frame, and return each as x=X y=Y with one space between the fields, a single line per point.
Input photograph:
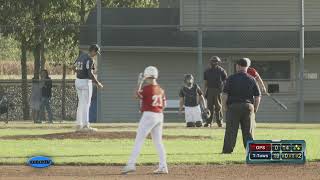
x=149 y=122
x=193 y=114
x=84 y=91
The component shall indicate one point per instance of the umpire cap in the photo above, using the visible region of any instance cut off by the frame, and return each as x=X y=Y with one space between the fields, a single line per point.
x=94 y=47
x=243 y=62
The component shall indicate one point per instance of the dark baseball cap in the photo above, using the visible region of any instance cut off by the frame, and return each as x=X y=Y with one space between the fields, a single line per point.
x=243 y=62
x=94 y=47
x=215 y=59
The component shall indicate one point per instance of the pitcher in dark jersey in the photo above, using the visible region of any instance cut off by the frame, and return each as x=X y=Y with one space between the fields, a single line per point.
x=84 y=67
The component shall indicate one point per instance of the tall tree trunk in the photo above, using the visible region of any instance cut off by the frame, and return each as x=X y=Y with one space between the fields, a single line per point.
x=42 y=53
x=24 y=84
x=37 y=60
x=82 y=14
x=82 y=11
x=63 y=100
x=37 y=50
x=43 y=60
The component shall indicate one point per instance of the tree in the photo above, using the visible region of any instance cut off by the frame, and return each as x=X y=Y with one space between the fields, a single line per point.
x=17 y=23
x=9 y=48
x=51 y=25
x=62 y=41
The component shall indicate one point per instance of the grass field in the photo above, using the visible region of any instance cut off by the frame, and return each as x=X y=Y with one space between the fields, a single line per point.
x=101 y=151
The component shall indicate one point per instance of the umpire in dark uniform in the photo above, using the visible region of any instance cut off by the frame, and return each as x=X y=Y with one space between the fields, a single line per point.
x=214 y=78
x=241 y=99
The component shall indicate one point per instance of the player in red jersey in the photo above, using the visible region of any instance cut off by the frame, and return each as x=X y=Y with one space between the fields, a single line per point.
x=153 y=103
x=253 y=72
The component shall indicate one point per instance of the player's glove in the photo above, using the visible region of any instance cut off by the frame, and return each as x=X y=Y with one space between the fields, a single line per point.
x=206 y=114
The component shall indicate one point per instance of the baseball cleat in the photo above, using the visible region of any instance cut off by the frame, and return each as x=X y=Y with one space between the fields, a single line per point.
x=198 y=124
x=225 y=152
x=161 y=170
x=127 y=169
x=88 y=129
x=207 y=125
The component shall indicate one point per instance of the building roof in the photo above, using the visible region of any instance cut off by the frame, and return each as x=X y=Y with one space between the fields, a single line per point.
x=166 y=33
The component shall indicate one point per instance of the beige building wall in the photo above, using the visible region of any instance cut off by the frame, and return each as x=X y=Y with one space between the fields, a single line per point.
x=119 y=71
x=248 y=14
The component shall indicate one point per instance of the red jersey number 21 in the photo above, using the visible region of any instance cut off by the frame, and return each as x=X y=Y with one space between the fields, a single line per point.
x=157 y=101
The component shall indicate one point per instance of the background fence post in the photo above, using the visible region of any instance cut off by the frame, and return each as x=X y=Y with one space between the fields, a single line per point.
x=200 y=55
x=63 y=100
x=99 y=58
x=301 y=62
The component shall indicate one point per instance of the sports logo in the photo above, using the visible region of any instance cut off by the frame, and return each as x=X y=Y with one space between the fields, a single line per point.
x=40 y=162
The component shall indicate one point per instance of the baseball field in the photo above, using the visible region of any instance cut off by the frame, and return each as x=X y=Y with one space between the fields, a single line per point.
x=191 y=153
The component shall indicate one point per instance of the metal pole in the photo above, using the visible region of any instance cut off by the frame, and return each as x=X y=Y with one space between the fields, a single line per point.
x=301 y=62
x=99 y=57
x=200 y=58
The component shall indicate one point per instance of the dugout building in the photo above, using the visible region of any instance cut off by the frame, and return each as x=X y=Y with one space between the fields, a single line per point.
x=173 y=36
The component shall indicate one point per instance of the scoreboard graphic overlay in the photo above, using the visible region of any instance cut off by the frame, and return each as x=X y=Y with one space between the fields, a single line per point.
x=276 y=151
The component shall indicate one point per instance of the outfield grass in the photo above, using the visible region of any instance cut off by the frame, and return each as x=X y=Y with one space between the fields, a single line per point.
x=116 y=151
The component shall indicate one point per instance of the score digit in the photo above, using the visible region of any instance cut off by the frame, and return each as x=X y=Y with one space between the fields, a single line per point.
x=276 y=147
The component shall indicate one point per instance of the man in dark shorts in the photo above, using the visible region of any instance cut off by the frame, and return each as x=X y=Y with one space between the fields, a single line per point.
x=241 y=99
x=46 y=94
x=214 y=78
x=190 y=97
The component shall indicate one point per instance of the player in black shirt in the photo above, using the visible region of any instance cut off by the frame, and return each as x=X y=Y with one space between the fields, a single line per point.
x=214 y=78
x=84 y=67
x=190 y=96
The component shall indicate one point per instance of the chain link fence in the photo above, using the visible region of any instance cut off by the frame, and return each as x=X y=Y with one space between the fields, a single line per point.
x=63 y=101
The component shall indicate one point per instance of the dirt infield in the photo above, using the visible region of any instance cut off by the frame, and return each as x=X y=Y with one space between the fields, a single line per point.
x=310 y=171
x=96 y=135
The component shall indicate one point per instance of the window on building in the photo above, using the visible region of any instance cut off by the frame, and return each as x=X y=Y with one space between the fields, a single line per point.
x=272 y=69
x=273 y=88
